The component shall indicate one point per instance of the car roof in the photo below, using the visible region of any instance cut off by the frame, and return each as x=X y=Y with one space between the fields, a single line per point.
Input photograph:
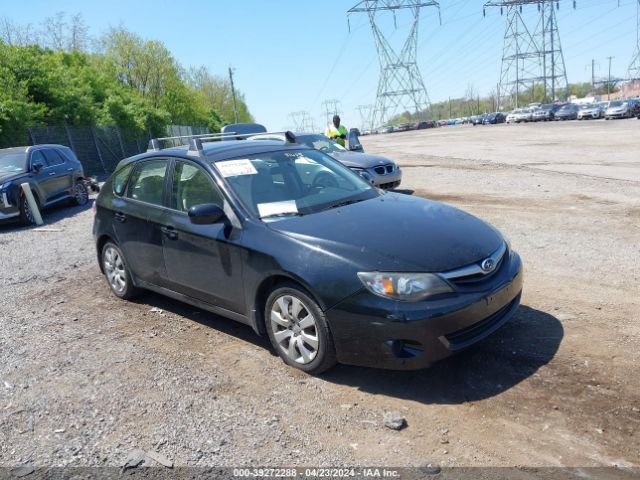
x=219 y=150
x=33 y=147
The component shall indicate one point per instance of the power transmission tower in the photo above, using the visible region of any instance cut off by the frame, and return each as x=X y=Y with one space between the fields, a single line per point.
x=532 y=54
x=400 y=86
x=634 y=66
x=365 y=116
x=331 y=108
x=302 y=121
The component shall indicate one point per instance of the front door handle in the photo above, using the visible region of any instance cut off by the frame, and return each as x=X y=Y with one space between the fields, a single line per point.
x=52 y=174
x=70 y=169
x=170 y=232
x=120 y=217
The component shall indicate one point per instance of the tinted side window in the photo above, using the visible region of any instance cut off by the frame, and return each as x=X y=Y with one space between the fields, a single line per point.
x=53 y=157
x=147 y=182
x=38 y=157
x=120 y=180
x=191 y=186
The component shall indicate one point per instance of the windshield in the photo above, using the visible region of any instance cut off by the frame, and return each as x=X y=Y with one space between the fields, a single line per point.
x=293 y=182
x=13 y=161
x=615 y=104
x=586 y=107
x=319 y=142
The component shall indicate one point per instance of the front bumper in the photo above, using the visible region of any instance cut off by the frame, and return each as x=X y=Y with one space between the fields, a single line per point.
x=386 y=181
x=375 y=332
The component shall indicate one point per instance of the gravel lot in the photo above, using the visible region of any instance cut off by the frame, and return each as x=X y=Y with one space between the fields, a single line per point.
x=86 y=379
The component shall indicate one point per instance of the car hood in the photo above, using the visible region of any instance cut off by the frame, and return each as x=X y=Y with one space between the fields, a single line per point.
x=6 y=176
x=395 y=232
x=359 y=160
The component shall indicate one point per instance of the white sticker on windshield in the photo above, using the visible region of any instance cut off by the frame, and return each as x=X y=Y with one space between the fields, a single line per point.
x=275 y=208
x=234 y=168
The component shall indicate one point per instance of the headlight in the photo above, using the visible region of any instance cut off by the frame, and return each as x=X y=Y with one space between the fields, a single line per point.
x=409 y=287
x=5 y=185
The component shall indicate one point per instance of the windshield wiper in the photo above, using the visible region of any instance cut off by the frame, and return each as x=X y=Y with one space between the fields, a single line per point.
x=344 y=204
x=283 y=214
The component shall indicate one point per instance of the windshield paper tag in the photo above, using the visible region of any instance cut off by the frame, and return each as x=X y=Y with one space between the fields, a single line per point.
x=274 y=208
x=234 y=168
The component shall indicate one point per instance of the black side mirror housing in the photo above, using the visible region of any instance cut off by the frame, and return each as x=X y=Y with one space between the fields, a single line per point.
x=37 y=167
x=205 y=214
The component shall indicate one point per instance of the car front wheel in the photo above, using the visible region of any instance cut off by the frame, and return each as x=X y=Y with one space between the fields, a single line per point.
x=298 y=330
x=117 y=273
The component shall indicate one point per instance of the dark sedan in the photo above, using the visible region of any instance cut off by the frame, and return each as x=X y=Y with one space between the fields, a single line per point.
x=494 y=118
x=341 y=273
x=52 y=172
x=567 y=112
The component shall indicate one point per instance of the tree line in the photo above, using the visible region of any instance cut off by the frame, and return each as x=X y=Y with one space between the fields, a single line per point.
x=56 y=74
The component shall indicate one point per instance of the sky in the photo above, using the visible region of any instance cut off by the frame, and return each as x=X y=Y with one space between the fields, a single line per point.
x=291 y=55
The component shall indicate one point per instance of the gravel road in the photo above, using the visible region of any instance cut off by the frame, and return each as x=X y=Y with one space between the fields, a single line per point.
x=87 y=379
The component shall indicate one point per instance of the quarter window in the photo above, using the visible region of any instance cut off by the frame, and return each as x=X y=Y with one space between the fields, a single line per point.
x=191 y=186
x=147 y=182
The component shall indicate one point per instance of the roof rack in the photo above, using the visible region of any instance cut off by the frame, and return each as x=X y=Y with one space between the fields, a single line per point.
x=195 y=141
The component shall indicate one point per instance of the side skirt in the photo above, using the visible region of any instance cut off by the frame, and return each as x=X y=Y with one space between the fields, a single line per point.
x=238 y=317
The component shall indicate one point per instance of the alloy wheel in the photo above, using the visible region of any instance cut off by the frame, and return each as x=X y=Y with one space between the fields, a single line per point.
x=114 y=269
x=80 y=194
x=295 y=329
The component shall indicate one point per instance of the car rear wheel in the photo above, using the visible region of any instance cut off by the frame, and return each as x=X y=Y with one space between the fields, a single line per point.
x=80 y=193
x=117 y=273
x=298 y=330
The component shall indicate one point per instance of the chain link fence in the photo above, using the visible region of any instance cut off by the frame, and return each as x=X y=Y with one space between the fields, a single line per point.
x=101 y=148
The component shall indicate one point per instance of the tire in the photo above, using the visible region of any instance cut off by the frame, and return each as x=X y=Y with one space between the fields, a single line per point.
x=116 y=272
x=26 y=215
x=298 y=330
x=80 y=193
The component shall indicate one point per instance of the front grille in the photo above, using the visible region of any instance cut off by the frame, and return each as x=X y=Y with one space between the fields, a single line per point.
x=477 y=279
x=390 y=185
x=383 y=169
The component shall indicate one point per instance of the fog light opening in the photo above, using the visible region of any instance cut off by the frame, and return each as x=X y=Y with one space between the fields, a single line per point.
x=402 y=348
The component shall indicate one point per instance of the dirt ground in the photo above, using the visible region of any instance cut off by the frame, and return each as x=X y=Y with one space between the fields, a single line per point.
x=85 y=378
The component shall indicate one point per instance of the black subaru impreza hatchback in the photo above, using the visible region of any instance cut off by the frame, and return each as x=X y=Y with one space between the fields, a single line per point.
x=291 y=242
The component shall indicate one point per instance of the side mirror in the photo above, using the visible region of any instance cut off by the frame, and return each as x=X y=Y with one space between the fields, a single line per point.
x=205 y=214
x=37 y=167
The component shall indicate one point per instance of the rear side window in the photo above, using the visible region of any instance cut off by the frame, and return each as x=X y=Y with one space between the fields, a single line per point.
x=147 y=182
x=120 y=180
x=53 y=157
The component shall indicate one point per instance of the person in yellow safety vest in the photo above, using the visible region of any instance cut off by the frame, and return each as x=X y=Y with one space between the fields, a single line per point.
x=337 y=132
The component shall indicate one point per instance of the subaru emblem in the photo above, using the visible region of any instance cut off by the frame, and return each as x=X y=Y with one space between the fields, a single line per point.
x=488 y=265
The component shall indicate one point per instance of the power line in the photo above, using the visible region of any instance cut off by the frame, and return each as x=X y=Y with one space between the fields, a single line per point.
x=634 y=67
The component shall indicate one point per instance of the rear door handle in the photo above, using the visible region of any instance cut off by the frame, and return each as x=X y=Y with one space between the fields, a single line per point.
x=120 y=217
x=52 y=174
x=170 y=232
x=70 y=169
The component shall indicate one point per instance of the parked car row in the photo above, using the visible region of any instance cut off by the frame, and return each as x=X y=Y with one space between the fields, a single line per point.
x=572 y=111
x=403 y=127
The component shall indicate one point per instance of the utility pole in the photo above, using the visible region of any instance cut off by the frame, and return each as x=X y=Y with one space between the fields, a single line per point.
x=449 y=107
x=609 y=81
x=233 y=93
x=400 y=85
